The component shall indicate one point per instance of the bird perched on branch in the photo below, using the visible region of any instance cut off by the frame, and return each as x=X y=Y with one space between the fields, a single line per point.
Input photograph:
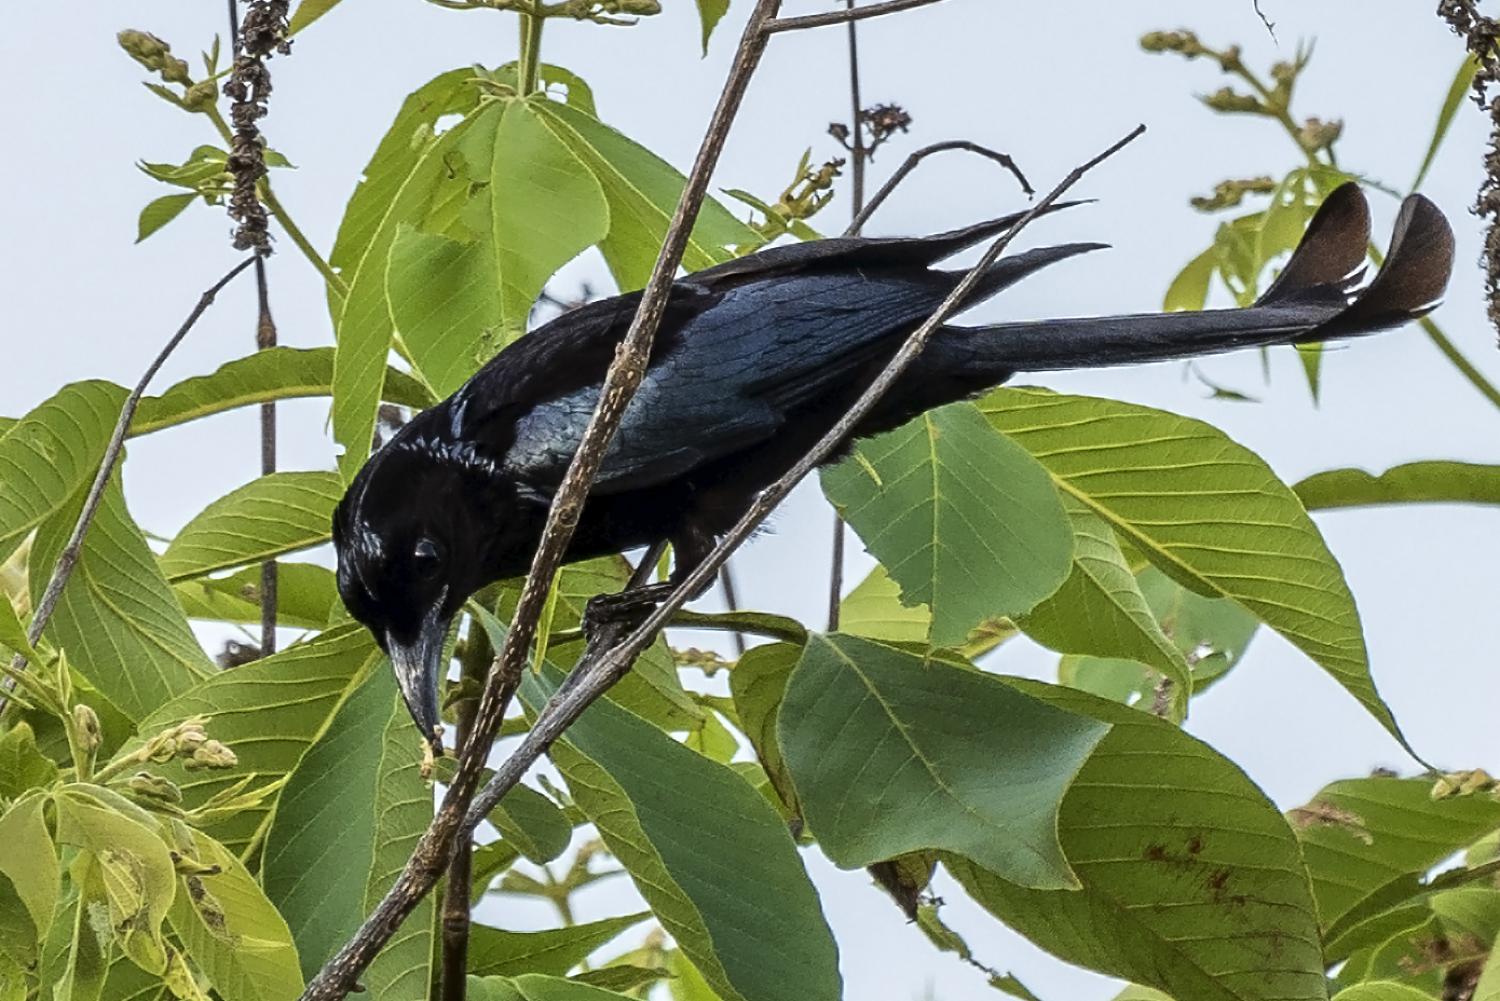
x=755 y=360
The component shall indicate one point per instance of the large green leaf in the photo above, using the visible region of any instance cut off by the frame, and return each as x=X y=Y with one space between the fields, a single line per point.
x=496 y=952
x=874 y=609
x=231 y=931
x=277 y=514
x=1367 y=841
x=346 y=824
x=269 y=713
x=891 y=754
x=532 y=824
x=1100 y=610
x=22 y=765
x=279 y=373
x=1206 y=511
x=362 y=321
x=642 y=190
x=758 y=684
x=50 y=453
x=964 y=520
x=707 y=852
x=1192 y=881
x=1415 y=483
x=118 y=620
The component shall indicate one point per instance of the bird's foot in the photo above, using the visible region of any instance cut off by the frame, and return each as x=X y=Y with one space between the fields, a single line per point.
x=627 y=608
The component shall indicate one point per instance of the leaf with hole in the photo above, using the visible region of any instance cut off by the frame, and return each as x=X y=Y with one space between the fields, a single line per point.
x=963 y=519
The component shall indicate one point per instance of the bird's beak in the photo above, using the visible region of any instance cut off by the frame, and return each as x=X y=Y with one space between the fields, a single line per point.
x=417 y=665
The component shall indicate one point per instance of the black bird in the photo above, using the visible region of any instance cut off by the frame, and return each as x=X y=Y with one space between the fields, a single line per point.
x=755 y=360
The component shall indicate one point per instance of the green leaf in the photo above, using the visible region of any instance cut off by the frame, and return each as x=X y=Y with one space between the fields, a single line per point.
x=275 y=515
x=306 y=596
x=117 y=618
x=642 y=191
x=893 y=754
x=30 y=858
x=1463 y=80
x=710 y=13
x=1385 y=990
x=1100 y=610
x=307 y=12
x=160 y=212
x=362 y=321
x=1362 y=836
x=758 y=684
x=1434 y=482
x=86 y=962
x=133 y=862
x=50 y=453
x=874 y=609
x=13 y=633
x=22 y=765
x=621 y=977
x=536 y=987
x=1189 y=290
x=1192 y=881
x=279 y=373
x=1204 y=510
x=964 y=520
x=346 y=823
x=232 y=932
x=269 y=713
x=496 y=952
x=707 y=852
x=533 y=824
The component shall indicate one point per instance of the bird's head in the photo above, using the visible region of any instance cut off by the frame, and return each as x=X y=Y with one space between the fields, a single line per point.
x=411 y=539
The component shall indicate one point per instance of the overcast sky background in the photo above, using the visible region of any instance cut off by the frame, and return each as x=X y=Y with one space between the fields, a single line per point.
x=1051 y=83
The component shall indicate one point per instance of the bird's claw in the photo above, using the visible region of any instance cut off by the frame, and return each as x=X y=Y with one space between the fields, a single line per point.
x=628 y=608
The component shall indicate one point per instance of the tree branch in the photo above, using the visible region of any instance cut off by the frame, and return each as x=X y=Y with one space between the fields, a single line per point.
x=68 y=558
x=265 y=337
x=916 y=158
x=841 y=16
x=609 y=656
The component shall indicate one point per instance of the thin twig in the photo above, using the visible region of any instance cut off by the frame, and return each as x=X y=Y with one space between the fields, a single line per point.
x=455 y=909
x=858 y=154
x=68 y=558
x=732 y=601
x=841 y=16
x=430 y=856
x=265 y=338
x=596 y=672
x=916 y=158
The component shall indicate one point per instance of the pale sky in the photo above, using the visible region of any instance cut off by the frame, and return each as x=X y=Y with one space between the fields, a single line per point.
x=1050 y=83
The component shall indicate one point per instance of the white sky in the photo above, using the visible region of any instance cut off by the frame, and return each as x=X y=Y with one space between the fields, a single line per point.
x=1051 y=83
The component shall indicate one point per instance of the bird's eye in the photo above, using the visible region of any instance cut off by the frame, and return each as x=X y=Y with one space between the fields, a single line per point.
x=426 y=558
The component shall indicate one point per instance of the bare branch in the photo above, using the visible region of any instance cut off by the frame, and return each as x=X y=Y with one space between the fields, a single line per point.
x=916 y=158
x=265 y=337
x=68 y=558
x=848 y=14
x=597 y=671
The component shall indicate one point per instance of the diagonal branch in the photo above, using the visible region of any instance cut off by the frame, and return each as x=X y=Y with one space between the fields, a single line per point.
x=68 y=558
x=847 y=14
x=609 y=656
x=339 y=975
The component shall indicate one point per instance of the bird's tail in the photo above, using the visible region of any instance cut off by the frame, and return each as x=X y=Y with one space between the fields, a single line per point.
x=1316 y=297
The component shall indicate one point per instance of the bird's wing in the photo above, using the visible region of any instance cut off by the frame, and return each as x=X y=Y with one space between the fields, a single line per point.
x=735 y=372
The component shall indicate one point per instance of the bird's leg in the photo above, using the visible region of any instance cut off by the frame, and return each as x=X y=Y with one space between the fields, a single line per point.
x=636 y=601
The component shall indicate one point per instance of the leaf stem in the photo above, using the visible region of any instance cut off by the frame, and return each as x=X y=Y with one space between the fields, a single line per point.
x=531 y=52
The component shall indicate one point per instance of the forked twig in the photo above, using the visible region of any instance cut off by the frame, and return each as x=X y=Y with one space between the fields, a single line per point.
x=68 y=558
x=1003 y=159
x=847 y=14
